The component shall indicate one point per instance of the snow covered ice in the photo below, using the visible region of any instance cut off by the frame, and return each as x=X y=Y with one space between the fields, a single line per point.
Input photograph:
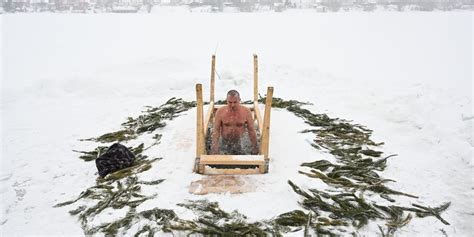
x=406 y=76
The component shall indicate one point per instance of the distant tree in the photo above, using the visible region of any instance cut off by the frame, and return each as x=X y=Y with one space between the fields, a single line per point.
x=8 y=6
x=446 y=5
x=332 y=5
x=426 y=5
x=401 y=4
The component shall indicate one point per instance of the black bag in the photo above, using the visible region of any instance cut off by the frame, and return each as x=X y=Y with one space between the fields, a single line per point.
x=115 y=158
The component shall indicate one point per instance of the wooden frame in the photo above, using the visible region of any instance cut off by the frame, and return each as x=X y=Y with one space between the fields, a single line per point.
x=233 y=164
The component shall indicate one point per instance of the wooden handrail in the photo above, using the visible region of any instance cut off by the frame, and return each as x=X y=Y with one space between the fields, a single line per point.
x=266 y=124
x=258 y=116
x=255 y=77
x=213 y=75
x=207 y=120
x=199 y=123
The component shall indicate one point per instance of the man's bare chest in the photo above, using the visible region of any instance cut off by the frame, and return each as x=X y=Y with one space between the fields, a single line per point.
x=231 y=120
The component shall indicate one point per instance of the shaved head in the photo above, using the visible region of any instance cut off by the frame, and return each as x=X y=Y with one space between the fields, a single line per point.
x=233 y=93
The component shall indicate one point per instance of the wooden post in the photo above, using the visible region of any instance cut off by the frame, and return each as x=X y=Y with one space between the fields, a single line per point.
x=266 y=124
x=258 y=116
x=255 y=77
x=208 y=117
x=213 y=77
x=199 y=122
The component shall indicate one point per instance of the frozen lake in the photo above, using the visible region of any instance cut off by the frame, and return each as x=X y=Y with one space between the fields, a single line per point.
x=407 y=76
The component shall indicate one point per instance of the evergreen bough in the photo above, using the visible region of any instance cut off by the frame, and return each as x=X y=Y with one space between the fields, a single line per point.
x=333 y=213
x=356 y=172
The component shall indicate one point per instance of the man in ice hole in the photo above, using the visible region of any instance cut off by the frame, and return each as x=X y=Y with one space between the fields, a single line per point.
x=230 y=123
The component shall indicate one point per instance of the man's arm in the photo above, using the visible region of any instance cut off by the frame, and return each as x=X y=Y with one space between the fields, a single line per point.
x=252 y=132
x=216 y=133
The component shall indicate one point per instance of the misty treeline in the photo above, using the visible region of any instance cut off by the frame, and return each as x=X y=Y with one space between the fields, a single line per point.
x=133 y=6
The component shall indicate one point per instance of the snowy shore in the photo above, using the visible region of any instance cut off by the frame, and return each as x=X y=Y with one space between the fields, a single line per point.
x=407 y=76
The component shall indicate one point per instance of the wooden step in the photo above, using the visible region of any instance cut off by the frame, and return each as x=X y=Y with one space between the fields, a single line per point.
x=230 y=161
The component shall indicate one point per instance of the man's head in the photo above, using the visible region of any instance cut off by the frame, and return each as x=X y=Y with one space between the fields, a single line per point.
x=233 y=99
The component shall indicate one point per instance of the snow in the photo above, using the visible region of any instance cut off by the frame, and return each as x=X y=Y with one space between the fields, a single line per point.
x=407 y=76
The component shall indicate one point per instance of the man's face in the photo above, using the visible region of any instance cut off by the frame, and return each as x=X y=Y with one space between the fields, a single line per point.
x=233 y=102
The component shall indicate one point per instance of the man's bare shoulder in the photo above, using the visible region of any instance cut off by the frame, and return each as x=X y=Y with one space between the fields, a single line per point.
x=222 y=110
x=246 y=109
x=246 y=112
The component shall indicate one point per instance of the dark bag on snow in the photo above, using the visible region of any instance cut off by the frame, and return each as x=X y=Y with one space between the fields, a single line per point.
x=115 y=158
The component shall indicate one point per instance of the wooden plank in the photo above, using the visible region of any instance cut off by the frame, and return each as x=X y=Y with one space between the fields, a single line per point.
x=213 y=75
x=232 y=160
x=255 y=77
x=266 y=124
x=232 y=157
x=207 y=120
x=258 y=116
x=199 y=122
x=214 y=171
x=245 y=105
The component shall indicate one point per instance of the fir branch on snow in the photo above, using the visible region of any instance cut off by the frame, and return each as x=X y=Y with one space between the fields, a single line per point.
x=152 y=119
x=422 y=211
x=119 y=136
x=98 y=151
x=355 y=171
x=396 y=219
x=161 y=218
x=293 y=218
x=330 y=214
x=374 y=184
x=214 y=221
x=141 y=163
x=121 y=189
x=111 y=194
x=92 y=155
x=138 y=166
x=155 y=117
